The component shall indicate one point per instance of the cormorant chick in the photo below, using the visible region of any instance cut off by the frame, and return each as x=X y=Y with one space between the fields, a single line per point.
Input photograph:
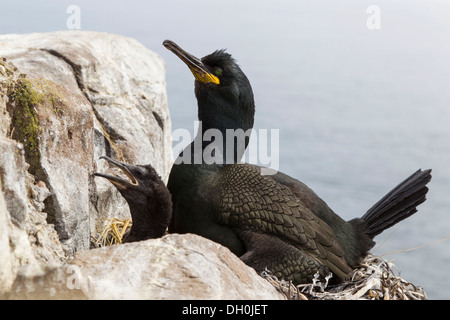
x=147 y=196
x=272 y=221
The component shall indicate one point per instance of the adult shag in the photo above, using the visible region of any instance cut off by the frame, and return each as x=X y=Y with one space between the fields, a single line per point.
x=147 y=196
x=269 y=221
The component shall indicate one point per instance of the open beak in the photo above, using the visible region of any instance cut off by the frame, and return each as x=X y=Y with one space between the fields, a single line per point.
x=196 y=65
x=118 y=181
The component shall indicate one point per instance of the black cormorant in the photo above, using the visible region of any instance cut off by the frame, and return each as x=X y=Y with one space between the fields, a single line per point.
x=147 y=196
x=270 y=221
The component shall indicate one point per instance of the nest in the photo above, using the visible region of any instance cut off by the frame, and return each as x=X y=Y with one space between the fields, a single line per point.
x=374 y=279
x=111 y=233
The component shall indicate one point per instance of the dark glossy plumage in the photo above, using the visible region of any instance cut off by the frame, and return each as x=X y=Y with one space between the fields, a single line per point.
x=270 y=221
x=147 y=196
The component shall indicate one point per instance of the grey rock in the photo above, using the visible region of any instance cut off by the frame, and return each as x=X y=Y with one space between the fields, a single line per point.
x=99 y=94
x=12 y=167
x=7 y=274
x=26 y=239
x=173 y=267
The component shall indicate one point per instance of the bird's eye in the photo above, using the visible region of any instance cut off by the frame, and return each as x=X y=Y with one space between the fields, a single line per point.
x=218 y=71
x=138 y=173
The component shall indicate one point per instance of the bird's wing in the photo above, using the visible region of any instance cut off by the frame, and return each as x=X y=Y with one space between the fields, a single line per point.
x=251 y=201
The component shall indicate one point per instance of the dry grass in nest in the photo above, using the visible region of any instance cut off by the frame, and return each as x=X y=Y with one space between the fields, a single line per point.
x=374 y=279
x=112 y=232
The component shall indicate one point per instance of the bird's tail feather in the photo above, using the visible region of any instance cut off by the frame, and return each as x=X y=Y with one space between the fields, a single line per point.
x=398 y=204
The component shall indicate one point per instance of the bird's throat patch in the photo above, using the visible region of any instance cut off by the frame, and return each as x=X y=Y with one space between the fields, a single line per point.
x=204 y=77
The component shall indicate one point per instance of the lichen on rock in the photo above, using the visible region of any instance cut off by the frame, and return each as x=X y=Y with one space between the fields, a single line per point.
x=31 y=101
x=25 y=127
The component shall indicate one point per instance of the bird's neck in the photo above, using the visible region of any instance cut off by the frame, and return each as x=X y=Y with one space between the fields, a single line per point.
x=221 y=138
x=220 y=145
x=150 y=218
